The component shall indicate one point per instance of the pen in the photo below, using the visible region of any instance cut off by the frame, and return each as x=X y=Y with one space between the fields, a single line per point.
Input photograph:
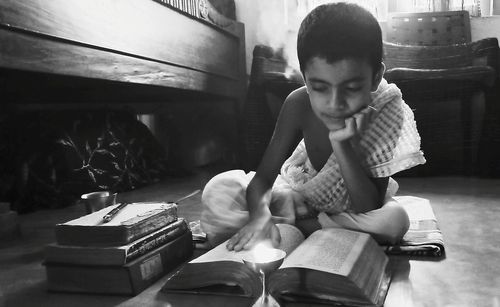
x=187 y=196
x=108 y=217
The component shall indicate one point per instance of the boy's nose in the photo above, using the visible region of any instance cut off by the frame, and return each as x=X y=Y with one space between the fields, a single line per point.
x=336 y=101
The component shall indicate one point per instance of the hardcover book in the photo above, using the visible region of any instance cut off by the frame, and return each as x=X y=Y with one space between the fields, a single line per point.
x=132 y=222
x=114 y=255
x=129 y=279
x=331 y=266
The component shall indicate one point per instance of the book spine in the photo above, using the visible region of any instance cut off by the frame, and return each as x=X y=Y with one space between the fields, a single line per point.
x=74 y=279
x=149 y=243
x=129 y=279
x=146 y=271
x=150 y=224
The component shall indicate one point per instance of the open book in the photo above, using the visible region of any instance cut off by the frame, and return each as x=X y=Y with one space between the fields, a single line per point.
x=330 y=266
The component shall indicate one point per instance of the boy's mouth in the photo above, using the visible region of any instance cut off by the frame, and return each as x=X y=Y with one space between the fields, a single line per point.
x=333 y=122
x=333 y=117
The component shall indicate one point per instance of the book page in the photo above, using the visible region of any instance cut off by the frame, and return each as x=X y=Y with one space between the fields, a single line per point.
x=131 y=211
x=291 y=237
x=219 y=253
x=325 y=250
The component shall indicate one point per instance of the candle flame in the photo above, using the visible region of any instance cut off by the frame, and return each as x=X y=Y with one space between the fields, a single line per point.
x=264 y=252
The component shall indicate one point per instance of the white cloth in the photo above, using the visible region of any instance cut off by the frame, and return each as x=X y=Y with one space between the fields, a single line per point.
x=225 y=210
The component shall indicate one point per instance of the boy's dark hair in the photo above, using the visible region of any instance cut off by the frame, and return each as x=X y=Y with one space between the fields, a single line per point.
x=337 y=31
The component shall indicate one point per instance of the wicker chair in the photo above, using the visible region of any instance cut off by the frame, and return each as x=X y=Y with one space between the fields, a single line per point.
x=445 y=84
x=429 y=28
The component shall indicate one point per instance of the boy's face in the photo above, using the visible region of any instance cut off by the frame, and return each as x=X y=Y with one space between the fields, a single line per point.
x=340 y=89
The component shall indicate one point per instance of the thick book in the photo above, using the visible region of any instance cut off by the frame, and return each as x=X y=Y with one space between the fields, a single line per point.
x=114 y=255
x=131 y=223
x=423 y=238
x=129 y=279
x=331 y=266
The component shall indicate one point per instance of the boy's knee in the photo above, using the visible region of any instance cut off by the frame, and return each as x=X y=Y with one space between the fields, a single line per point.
x=226 y=180
x=399 y=224
x=224 y=205
x=225 y=188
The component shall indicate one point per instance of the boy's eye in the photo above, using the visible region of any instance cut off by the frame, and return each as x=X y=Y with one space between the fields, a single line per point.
x=319 y=88
x=353 y=88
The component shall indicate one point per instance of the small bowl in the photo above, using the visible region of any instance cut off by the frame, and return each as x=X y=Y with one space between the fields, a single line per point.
x=96 y=201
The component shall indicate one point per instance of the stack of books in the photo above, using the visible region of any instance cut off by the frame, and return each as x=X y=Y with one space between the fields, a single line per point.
x=140 y=244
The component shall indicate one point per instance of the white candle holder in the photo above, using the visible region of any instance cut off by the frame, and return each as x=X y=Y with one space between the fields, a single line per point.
x=264 y=265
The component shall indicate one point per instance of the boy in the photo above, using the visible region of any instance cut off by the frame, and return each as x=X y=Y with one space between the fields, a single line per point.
x=336 y=141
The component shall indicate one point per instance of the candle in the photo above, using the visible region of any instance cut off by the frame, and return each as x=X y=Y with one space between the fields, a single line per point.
x=263 y=253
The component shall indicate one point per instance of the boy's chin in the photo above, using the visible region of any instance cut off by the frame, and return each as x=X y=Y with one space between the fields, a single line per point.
x=335 y=125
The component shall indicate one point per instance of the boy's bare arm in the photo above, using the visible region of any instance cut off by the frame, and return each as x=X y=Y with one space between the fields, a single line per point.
x=366 y=193
x=285 y=138
x=259 y=225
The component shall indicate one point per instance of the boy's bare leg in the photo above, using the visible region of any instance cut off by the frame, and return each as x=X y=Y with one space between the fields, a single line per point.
x=387 y=224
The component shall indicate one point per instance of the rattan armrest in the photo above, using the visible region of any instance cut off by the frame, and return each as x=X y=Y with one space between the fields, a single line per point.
x=484 y=75
x=485 y=52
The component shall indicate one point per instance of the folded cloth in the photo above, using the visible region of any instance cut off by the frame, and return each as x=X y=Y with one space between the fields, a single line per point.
x=423 y=238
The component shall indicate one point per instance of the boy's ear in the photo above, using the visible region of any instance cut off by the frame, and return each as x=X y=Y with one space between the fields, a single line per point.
x=377 y=78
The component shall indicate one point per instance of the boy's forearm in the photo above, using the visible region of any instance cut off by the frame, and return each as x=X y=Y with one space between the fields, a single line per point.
x=258 y=196
x=362 y=191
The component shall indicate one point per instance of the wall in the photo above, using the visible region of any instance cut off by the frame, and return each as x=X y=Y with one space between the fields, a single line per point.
x=265 y=24
x=482 y=27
